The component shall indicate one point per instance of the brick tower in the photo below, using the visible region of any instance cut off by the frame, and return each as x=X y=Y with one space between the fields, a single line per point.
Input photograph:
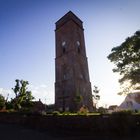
x=72 y=84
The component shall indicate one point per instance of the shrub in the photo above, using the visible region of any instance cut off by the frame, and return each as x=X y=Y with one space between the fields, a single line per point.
x=124 y=112
x=66 y=113
x=83 y=110
x=55 y=113
x=2 y=102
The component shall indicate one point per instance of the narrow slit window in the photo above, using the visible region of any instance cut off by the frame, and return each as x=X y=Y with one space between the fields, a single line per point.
x=78 y=49
x=78 y=46
x=64 y=50
x=64 y=46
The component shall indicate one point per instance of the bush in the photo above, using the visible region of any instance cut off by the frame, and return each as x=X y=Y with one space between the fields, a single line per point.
x=55 y=113
x=66 y=113
x=9 y=105
x=124 y=112
x=2 y=102
x=83 y=110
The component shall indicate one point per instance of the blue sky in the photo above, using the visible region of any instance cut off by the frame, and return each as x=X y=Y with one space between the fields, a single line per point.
x=27 y=42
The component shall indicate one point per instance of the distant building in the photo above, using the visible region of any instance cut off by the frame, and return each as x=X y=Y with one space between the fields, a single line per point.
x=132 y=101
x=112 y=108
x=71 y=66
x=37 y=107
x=50 y=108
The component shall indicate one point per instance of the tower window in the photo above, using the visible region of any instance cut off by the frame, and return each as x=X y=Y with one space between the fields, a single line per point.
x=64 y=50
x=64 y=76
x=78 y=46
x=78 y=49
x=64 y=46
x=81 y=76
x=63 y=43
x=64 y=73
x=78 y=43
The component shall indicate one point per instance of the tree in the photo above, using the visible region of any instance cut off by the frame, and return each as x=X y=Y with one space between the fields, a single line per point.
x=23 y=97
x=126 y=57
x=2 y=102
x=96 y=95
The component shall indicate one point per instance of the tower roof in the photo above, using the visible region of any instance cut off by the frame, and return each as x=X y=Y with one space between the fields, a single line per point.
x=67 y=17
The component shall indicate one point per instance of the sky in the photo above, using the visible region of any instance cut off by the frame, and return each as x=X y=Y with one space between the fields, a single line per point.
x=27 y=42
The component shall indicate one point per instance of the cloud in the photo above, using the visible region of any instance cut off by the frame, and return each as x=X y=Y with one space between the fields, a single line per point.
x=42 y=92
x=39 y=92
x=43 y=86
x=7 y=93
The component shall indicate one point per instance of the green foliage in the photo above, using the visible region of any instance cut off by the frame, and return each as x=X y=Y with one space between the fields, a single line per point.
x=96 y=95
x=9 y=105
x=123 y=112
x=66 y=113
x=55 y=113
x=126 y=57
x=137 y=112
x=78 y=98
x=83 y=111
x=2 y=102
x=102 y=110
x=23 y=97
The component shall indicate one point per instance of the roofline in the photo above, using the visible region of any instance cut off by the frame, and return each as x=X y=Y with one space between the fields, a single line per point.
x=68 y=16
